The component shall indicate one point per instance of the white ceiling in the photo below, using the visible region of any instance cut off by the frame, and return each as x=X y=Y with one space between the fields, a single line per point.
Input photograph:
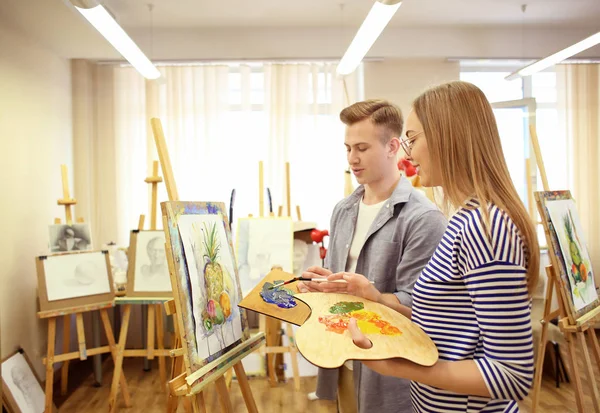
x=185 y=28
x=327 y=13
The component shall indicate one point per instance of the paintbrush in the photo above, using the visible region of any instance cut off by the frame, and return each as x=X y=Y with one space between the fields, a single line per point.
x=323 y=279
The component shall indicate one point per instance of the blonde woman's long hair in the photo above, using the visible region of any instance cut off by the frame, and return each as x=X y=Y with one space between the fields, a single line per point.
x=463 y=141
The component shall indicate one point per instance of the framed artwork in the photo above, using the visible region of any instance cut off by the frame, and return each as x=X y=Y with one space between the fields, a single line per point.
x=205 y=283
x=76 y=237
x=568 y=251
x=22 y=390
x=148 y=270
x=261 y=244
x=72 y=279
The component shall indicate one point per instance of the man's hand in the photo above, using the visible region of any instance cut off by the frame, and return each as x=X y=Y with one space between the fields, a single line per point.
x=356 y=284
x=313 y=287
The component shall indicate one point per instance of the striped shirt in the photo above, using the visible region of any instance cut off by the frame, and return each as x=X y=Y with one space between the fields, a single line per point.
x=472 y=300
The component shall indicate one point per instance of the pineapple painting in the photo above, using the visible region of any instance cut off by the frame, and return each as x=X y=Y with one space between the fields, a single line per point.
x=218 y=307
x=212 y=283
x=568 y=230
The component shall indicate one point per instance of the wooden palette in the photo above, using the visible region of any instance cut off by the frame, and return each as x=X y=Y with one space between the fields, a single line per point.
x=253 y=301
x=330 y=349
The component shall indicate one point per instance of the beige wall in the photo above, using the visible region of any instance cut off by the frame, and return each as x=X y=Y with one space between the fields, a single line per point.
x=401 y=80
x=36 y=137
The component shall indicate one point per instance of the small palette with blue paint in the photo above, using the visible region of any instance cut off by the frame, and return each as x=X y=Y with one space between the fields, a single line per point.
x=282 y=297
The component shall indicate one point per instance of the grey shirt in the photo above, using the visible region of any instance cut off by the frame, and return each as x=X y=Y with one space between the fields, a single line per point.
x=400 y=242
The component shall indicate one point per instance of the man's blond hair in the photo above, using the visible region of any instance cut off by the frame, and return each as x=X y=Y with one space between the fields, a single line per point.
x=380 y=112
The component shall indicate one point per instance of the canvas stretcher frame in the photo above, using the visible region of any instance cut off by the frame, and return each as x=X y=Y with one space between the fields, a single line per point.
x=131 y=268
x=180 y=278
x=69 y=304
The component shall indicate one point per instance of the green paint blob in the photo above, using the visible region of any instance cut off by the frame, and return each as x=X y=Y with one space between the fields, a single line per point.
x=344 y=307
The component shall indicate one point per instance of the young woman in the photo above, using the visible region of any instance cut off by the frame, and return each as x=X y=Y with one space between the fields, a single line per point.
x=473 y=297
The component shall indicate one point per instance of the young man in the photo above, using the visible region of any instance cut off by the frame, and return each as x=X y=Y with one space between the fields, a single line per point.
x=387 y=231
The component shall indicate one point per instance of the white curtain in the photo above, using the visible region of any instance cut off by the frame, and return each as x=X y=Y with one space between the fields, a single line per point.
x=219 y=122
x=579 y=104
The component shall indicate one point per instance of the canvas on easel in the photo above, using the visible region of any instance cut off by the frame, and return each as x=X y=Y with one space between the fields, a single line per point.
x=68 y=280
x=569 y=253
x=212 y=309
x=572 y=276
x=71 y=284
x=207 y=279
x=148 y=271
x=261 y=244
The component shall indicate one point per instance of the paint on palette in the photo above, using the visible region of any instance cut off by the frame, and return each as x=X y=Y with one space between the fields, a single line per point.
x=282 y=297
x=368 y=321
x=344 y=307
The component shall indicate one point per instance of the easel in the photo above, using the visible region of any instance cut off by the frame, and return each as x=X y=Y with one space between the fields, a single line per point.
x=154 y=318
x=186 y=383
x=83 y=353
x=574 y=330
x=270 y=326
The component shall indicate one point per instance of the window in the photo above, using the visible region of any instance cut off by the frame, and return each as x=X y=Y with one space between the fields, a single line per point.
x=513 y=125
x=495 y=87
x=221 y=120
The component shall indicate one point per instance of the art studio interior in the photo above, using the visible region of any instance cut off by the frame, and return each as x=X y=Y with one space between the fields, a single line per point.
x=324 y=206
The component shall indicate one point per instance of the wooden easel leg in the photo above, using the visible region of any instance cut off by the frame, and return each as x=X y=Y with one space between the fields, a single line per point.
x=64 y=373
x=188 y=404
x=198 y=403
x=541 y=353
x=114 y=351
x=593 y=343
x=589 y=369
x=572 y=351
x=245 y=387
x=162 y=368
x=81 y=336
x=272 y=335
x=293 y=356
x=228 y=377
x=176 y=370
x=151 y=324
x=50 y=364
x=223 y=394
x=172 y=403
x=114 y=388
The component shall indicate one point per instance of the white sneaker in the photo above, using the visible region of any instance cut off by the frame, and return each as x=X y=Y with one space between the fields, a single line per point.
x=313 y=396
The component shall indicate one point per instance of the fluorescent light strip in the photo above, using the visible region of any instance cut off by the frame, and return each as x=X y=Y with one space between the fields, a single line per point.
x=379 y=16
x=110 y=29
x=556 y=57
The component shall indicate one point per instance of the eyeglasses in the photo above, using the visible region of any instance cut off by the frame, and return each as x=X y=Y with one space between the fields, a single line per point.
x=408 y=143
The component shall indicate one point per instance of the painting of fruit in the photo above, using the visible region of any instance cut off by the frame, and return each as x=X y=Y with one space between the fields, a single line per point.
x=225 y=304
x=573 y=251
x=212 y=282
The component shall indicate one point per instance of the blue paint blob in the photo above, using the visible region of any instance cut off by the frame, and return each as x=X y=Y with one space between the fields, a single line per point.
x=282 y=297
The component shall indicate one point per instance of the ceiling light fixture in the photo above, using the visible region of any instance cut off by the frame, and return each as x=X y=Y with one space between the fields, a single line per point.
x=97 y=15
x=380 y=15
x=556 y=57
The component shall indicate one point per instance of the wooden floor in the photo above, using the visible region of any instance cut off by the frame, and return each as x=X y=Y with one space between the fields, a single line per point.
x=147 y=398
